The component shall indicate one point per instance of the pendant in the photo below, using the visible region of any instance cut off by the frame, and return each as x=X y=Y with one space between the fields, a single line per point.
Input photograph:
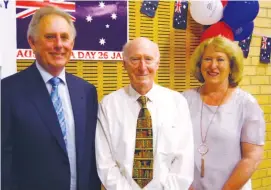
x=203 y=149
x=202 y=167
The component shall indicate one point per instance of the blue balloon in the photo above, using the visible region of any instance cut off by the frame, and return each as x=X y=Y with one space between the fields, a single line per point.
x=243 y=31
x=237 y=13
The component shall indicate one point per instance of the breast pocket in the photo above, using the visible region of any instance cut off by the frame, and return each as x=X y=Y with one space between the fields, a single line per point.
x=167 y=139
x=166 y=148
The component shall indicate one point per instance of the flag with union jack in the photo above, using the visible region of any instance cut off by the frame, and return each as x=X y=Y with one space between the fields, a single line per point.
x=8 y=49
x=101 y=25
x=180 y=14
x=265 y=50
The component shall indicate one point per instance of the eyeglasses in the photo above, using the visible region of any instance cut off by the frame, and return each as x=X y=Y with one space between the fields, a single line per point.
x=136 y=60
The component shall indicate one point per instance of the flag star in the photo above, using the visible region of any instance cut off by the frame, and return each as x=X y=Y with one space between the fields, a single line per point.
x=102 y=41
x=107 y=25
x=89 y=18
x=184 y=6
x=101 y=4
x=268 y=43
x=114 y=16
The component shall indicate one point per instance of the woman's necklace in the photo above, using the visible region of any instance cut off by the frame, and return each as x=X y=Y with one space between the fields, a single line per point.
x=203 y=148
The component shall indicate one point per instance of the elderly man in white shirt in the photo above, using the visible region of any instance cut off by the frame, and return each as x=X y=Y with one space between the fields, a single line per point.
x=144 y=134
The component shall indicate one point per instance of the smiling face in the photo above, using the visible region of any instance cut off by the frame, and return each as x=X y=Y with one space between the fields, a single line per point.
x=215 y=66
x=141 y=64
x=53 y=44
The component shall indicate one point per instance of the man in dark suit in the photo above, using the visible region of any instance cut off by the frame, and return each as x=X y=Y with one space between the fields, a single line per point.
x=48 y=115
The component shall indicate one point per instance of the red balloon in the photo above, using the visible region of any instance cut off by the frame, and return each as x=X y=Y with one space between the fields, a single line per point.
x=224 y=2
x=220 y=28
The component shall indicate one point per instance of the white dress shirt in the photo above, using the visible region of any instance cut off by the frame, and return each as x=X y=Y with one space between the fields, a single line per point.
x=172 y=139
x=63 y=92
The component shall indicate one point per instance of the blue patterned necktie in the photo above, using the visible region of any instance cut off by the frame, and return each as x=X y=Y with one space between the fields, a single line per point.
x=58 y=106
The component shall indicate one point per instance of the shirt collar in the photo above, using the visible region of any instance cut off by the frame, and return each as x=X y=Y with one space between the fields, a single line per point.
x=150 y=95
x=47 y=76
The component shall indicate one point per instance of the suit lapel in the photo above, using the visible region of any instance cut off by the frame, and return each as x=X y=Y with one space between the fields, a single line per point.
x=43 y=103
x=78 y=102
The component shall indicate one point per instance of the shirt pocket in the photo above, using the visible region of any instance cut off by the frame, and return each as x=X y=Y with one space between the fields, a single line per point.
x=167 y=139
x=166 y=149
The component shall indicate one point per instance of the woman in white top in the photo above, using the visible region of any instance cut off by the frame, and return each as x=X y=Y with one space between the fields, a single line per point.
x=228 y=123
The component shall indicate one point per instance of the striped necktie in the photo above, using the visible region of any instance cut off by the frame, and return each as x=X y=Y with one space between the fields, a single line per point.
x=55 y=81
x=143 y=157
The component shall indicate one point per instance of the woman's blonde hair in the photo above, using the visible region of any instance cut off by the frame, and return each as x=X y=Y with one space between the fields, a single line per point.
x=221 y=44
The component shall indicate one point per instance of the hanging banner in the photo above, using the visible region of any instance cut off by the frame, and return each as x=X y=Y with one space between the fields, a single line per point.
x=7 y=38
x=102 y=27
x=265 y=50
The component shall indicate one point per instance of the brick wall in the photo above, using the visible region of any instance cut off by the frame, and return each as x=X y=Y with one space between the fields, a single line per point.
x=257 y=80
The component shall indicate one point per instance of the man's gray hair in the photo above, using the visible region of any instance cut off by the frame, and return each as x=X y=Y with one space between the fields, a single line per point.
x=138 y=40
x=44 y=11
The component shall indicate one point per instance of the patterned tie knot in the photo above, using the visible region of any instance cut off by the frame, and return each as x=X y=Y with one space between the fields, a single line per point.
x=54 y=81
x=143 y=101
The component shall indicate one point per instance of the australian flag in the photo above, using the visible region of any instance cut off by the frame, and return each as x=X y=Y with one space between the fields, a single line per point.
x=244 y=45
x=100 y=25
x=180 y=14
x=149 y=7
x=265 y=50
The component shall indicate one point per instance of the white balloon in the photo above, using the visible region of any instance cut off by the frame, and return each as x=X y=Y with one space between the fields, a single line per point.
x=206 y=12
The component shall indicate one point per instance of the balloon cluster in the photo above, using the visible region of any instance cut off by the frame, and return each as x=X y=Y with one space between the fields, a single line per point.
x=231 y=19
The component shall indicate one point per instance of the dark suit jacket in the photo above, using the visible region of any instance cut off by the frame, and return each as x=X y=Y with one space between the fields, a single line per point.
x=33 y=150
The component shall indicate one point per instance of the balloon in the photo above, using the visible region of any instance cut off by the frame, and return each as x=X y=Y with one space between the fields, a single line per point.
x=220 y=28
x=206 y=12
x=237 y=13
x=224 y=2
x=243 y=31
